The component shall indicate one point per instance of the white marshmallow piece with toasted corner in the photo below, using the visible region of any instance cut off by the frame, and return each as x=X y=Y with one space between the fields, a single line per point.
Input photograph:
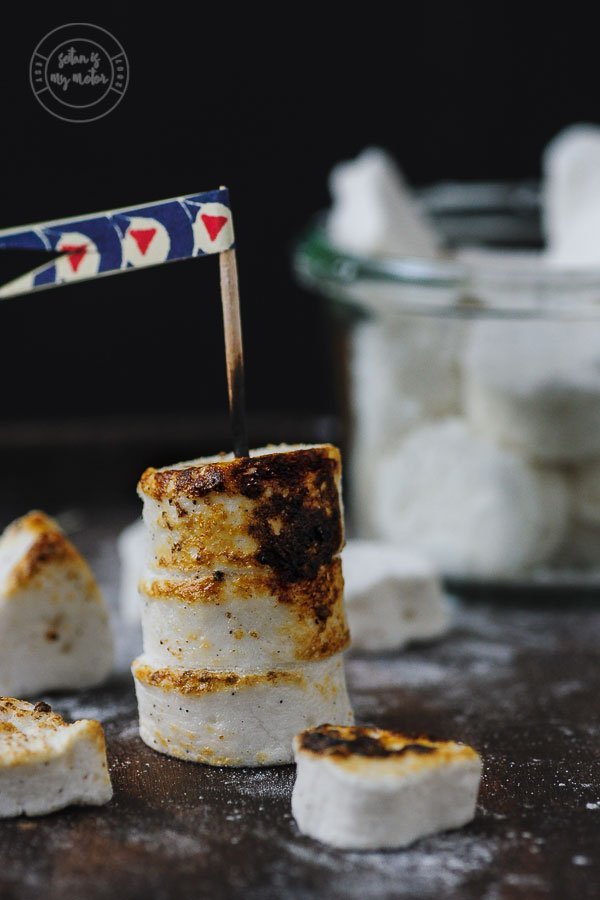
x=244 y=621
x=571 y=197
x=233 y=718
x=369 y=789
x=132 y=549
x=54 y=624
x=534 y=387
x=47 y=764
x=393 y=597
x=470 y=507
x=374 y=212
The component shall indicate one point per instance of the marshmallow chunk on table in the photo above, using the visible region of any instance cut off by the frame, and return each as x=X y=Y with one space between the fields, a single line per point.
x=392 y=595
x=237 y=718
x=374 y=212
x=535 y=387
x=469 y=506
x=54 y=625
x=46 y=764
x=571 y=196
x=369 y=789
x=131 y=547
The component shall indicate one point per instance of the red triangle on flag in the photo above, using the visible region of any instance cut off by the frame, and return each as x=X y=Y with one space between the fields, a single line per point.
x=75 y=252
x=213 y=224
x=142 y=237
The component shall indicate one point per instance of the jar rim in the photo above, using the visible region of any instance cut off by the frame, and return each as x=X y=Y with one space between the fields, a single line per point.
x=526 y=284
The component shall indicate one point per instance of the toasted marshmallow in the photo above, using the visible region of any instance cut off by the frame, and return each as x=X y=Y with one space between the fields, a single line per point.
x=233 y=718
x=247 y=621
x=280 y=508
x=131 y=547
x=369 y=789
x=392 y=596
x=54 y=627
x=469 y=506
x=374 y=212
x=46 y=764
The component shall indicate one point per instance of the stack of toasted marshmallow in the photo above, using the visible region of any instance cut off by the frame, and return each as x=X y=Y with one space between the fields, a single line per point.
x=243 y=616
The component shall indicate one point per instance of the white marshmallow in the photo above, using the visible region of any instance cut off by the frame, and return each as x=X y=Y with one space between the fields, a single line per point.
x=46 y=764
x=237 y=719
x=392 y=596
x=535 y=387
x=369 y=789
x=244 y=621
x=132 y=550
x=404 y=371
x=472 y=508
x=374 y=212
x=571 y=196
x=54 y=627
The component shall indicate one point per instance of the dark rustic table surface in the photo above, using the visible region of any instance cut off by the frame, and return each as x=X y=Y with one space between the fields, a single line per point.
x=519 y=682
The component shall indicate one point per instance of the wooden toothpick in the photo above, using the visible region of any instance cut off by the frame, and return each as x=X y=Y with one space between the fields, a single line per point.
x=234 y=351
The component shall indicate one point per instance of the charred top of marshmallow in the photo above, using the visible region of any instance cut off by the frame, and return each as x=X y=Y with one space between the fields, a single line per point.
x=296 y=516
x=357 y=746
x=33 y=733
x=347 y=741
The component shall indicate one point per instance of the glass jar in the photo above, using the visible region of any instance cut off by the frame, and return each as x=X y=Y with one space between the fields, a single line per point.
x=473 y=386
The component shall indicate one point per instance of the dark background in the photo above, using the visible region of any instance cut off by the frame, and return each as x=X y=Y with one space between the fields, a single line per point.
x=265 y=101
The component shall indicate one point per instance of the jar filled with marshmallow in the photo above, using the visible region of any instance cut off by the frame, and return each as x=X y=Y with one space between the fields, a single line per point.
x=471 y=314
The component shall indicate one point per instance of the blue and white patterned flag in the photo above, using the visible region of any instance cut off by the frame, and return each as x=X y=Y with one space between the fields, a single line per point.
x=122 y=239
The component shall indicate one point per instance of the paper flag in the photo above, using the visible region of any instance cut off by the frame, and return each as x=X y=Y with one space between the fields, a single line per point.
x=122 y=239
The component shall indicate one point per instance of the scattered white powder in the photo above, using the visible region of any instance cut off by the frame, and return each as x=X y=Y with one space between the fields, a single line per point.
x=392 y=672
x=432 y=867
x=82 y=707
x=270 y=783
